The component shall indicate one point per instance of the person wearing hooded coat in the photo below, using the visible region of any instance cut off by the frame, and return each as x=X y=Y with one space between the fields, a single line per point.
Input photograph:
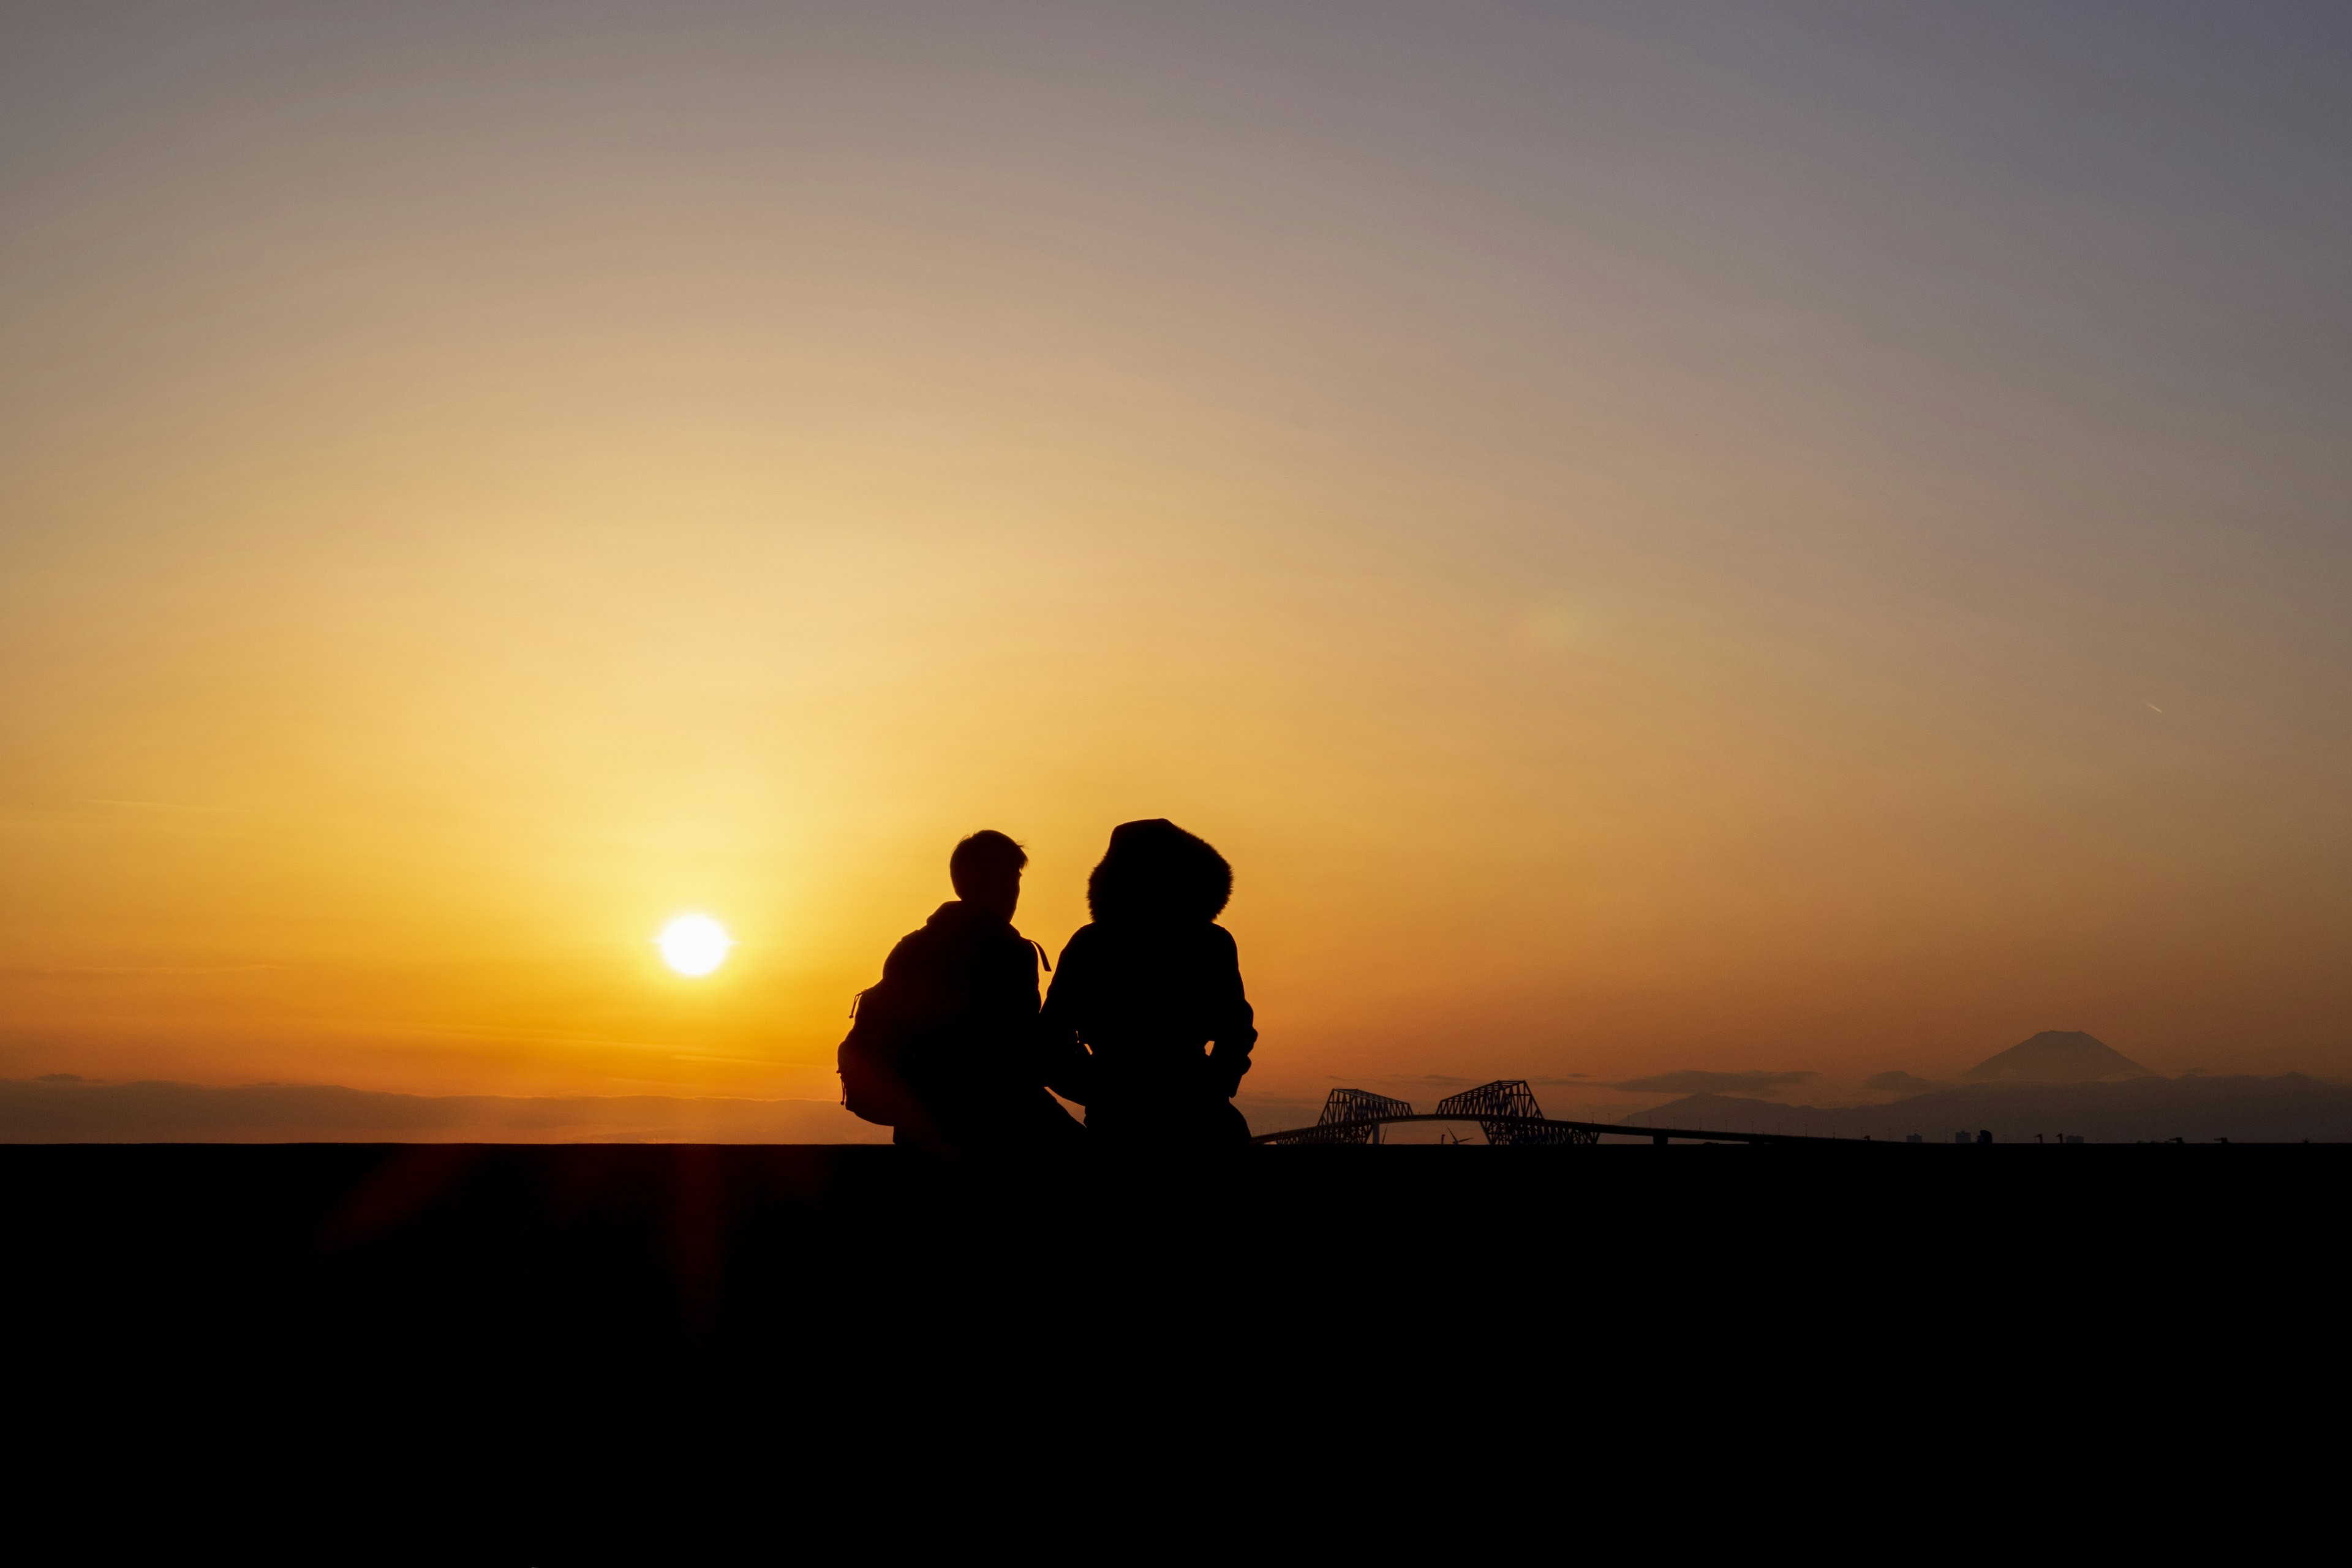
x=1146 y=1023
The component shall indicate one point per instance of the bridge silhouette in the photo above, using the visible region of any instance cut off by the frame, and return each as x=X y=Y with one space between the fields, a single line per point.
x=1506 y=1112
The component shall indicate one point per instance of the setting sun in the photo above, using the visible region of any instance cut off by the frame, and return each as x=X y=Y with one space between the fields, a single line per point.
x=694 y=945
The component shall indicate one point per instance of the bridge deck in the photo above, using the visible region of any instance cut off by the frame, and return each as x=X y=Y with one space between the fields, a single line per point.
x=1602 y=1128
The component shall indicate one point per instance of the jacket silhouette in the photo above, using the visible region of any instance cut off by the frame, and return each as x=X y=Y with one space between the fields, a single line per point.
x=1146 y=1025
x=956 y=1016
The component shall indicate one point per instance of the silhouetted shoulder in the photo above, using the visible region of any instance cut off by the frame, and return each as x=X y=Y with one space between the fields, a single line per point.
x=913 y=951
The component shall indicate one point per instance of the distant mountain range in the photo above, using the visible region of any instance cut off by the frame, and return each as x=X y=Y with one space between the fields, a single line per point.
x=2060 y=1082
x=2147 y=1108
x=2057 y=1083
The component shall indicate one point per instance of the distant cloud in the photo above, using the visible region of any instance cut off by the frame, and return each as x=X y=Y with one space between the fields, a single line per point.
x=49 y=970
x=1691 y=1081
x=1900 y=1082
x=63 y=1108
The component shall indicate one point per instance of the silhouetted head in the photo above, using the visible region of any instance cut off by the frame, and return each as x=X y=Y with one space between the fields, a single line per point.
x=1156 y=871
x=986 y=871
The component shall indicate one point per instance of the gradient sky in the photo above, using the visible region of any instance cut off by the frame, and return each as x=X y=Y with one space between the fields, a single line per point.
x=1655 y=536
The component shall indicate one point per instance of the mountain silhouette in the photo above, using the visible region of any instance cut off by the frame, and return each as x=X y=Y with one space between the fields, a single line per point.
x=2056 y=1056
x=2288 y=1109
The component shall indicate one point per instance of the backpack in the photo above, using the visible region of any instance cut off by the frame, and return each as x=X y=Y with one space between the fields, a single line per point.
x=888 y=1020
x=871 y=1086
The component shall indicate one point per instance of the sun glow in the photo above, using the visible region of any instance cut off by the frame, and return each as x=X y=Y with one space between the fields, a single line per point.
x=694 y=945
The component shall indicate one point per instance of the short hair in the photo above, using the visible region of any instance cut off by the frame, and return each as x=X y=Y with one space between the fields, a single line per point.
x=1154 y=870
x=985 y=852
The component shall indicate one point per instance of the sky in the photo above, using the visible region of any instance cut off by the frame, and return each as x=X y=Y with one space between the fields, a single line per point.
x=1656 y=537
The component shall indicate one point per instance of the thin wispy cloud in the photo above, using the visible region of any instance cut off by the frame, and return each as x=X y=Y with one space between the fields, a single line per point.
x=1697 y=1082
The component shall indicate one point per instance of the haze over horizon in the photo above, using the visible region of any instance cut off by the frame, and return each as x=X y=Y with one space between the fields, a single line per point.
x=1657 y=538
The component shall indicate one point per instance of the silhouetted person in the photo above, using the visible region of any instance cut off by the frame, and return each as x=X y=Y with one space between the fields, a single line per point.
x=1147 y=1025
x=946 y=1045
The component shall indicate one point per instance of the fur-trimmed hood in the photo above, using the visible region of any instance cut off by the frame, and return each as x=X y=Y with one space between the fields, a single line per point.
x=1154 y=870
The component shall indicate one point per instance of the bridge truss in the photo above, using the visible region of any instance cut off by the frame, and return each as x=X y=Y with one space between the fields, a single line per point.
x=1506 y=1112
x=1352 y=1116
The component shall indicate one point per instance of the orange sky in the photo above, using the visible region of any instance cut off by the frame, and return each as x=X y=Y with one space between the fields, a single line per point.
x=1649 y=545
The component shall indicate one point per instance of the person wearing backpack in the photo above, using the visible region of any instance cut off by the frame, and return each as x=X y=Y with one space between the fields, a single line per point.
x=945 y=1049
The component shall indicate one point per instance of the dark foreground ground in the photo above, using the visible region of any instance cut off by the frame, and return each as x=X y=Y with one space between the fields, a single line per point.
x=430 y=1322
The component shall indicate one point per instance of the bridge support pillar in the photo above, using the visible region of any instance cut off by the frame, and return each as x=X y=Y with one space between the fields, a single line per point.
x=1660 y=1140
